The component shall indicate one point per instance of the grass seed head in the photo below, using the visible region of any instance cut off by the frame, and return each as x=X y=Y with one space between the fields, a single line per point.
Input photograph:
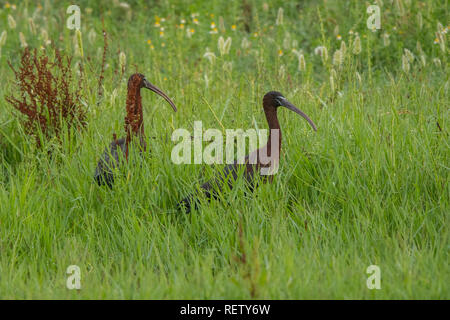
x=405 y=63
x=23 y=41
x=11 y=22
x=3 y=37
x=357 y=45
x=280 y=14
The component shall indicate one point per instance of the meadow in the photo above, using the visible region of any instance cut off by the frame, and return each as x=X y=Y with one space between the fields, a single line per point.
x=370 y=187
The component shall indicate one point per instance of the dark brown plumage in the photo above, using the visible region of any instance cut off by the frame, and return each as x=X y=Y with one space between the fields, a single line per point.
x=134 y=126
x=253 y=162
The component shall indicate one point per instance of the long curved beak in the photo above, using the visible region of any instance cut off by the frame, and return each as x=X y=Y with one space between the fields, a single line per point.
x=285 y=103
x=158 y=91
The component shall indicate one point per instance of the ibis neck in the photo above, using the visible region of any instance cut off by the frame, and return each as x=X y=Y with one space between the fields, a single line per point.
x=134 y=121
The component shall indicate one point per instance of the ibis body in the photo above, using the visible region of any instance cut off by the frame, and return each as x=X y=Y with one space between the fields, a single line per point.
x=134 y=126
x=254 y=163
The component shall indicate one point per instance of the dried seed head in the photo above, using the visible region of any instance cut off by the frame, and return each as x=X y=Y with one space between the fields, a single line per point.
x=282 y=72
x=44 y=35
x=76 y=67
x=419 y=47
x=419 y=20
x=227 y=66
x=358 y=77
x=224 y=46
x=437 y=62
x=221 y=24
x=91 y=36
x=400 y=8
x=409 y=55
x=227 y=45
x=357 y=45
x=210 y=56
x=279 y=20
x=323 y=52
x=23 y=41
x=333 y=73
x=99 y=53
x=287 y=41
x=245 y=44
x=79 y=42
x=301 y=62
x=441 y=38
x=113 y=97
x=206 y=80
x=3 y=38
x=343 y=49
x=338 y=58
x=423 y=60
x=11 y=22
x=129 y=15
x=405 y=63
x=297 y=52
x=220 y=44
x=386 y=40
x=32 y=26
x=336 y=30
x=122 y=60
x=124 y=5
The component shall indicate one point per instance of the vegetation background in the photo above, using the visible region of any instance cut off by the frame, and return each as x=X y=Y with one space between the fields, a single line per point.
x=369 y=188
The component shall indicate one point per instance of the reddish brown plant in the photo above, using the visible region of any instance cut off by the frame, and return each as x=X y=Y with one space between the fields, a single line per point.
x=102 y=70
x=47 y=96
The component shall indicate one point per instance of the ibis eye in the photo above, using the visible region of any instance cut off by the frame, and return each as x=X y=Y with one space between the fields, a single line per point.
x=279 y=100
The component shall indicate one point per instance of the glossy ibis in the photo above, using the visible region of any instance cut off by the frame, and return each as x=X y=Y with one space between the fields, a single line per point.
x=255 y=161
x=134 y=126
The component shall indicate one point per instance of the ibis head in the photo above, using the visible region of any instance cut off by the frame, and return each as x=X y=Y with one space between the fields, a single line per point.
x=274 y=99
x=141 y=81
